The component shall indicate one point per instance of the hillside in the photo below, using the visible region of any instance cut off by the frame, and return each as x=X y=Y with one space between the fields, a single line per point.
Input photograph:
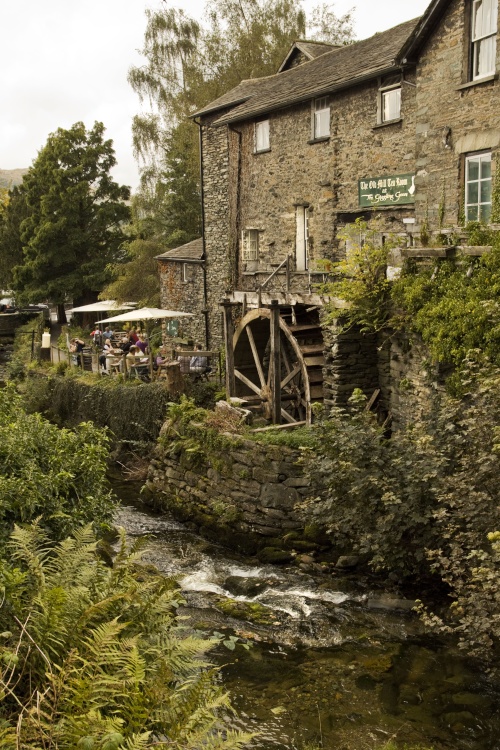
x=11 y=177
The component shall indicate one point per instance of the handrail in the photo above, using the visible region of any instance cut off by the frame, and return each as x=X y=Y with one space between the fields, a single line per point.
x=266 y=281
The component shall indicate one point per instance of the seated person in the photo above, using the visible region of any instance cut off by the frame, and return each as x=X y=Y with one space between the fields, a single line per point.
x=125 y=344
x=185 y=363
x=133 y=336
x=142 y=344
x=161 y=357
x=198 y=363
x=107 y=350
x=135 y=360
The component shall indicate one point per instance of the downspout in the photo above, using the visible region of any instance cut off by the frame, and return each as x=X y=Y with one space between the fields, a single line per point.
x=204 y=256
x=236 y=280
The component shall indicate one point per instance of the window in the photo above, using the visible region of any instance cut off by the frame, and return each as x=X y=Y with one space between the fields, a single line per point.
x=321 y=118
x=302 y=238
x=184 y=272
x=484 y=30
x=391 y=104
x=478 y=187
x=390 y=100
x=250 y=244
x=262 y=136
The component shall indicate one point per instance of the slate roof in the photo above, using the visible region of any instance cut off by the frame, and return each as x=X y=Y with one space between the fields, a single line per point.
x=341 y=68
x=310 y=49
x=190 y=251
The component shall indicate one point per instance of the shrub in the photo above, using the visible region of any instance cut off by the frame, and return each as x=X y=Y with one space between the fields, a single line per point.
x=422 y=504
x=56 y=475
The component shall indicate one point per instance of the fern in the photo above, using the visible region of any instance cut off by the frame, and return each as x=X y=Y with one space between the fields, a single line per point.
x=95 y=659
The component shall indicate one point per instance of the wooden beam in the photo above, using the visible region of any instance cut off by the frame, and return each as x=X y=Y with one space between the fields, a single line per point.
x=228 y=335
x=275 y=364
x=287 y=426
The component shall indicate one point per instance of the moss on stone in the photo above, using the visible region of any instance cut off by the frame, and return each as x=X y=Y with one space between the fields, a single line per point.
x=274 y=555
x=249 y=611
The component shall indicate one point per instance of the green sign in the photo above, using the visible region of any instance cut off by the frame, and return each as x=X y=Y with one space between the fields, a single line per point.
x=172 y=327
x=391 y=190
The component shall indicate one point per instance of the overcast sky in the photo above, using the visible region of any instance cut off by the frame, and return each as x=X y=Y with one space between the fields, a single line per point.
x=67 y=60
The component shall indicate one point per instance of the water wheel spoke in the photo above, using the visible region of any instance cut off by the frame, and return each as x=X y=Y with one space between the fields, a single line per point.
x=287 y=417
x=247 y=382
x=291 y=375
x=284 y=355
x=256 y=357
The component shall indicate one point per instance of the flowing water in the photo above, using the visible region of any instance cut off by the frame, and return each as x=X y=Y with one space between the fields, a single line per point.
x=332 y=663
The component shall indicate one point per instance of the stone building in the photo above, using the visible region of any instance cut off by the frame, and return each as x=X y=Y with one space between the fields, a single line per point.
x=400 y=128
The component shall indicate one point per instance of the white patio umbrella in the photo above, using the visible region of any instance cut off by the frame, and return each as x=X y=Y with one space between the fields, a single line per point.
x=104 y=305
x=146 y=313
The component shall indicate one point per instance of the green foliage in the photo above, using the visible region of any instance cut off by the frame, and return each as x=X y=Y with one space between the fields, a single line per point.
x=453 y=311
x=136 y=278
x=423 y=504
x=13 y=212
x=56 y=475
x=65 y=221
x=198 y=434
x=91 y=655
x=360 y=280
x=297 y=438
x=132 y=411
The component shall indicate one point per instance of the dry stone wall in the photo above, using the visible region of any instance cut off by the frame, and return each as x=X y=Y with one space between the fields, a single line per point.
x=391 y=362
x=246 y=498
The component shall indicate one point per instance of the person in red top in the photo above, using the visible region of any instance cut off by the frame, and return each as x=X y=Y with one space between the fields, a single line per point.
x=133 y=336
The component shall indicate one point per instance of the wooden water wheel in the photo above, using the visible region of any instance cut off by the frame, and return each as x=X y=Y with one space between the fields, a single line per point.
x=278 y=365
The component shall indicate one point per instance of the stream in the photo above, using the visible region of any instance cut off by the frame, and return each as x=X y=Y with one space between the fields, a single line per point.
x=332 y=663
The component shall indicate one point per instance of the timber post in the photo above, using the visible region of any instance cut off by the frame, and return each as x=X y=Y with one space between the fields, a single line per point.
x=275 y=363
x=228 y=335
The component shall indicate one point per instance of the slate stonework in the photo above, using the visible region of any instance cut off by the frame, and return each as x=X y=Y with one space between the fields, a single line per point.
x=250 y=500
x=469 y=113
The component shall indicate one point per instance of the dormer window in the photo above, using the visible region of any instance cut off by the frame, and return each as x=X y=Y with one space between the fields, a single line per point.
x=262 y=142
x=484 y=33
x=390 y=100
x=321 y=118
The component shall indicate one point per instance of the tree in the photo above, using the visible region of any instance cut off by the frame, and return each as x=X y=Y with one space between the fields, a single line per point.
x=75 y=212
x=137 y=279
x=13 y=211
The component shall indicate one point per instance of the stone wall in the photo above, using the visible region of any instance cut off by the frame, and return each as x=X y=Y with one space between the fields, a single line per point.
x=351 y=362
x=453 y=118
x=217 y=208
x=407 y=380
x=322 y=175
x=390 y=362
x=184 y=295
x=245 y=497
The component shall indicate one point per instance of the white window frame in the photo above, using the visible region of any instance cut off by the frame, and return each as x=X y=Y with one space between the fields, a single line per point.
x=321 y=118
x=390 y=96
x=483 y=38
x=302 y=238
x=249 y=245
x=262 y=141
x=483 y=206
